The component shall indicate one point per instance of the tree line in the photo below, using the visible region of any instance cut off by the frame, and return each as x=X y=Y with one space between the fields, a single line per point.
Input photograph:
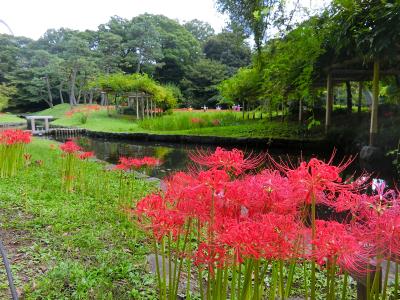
x=59 y=66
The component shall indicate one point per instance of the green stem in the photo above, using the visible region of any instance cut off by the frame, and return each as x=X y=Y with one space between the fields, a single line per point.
x=292 y=268
x=282 y=288
x=247 y=279
x=305 y=276
x=163 y=268
x=313 y=232
x=256 y=280
x=274 y=280
x=384 y=292
x=157 y=266
x=233 y=282
x=344 y=289
x=396 y=281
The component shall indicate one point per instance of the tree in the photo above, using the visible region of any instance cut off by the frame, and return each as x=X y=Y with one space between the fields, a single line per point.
x=6 y=92
x=255 y=16
x=201 y=80
x=228 y=48
x=202 y=31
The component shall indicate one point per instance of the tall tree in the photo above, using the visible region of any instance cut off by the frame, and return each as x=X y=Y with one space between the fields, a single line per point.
x=202 y=31
x=255 y=16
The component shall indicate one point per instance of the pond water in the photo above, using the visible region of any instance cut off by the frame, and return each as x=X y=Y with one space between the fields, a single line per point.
x=175 y=157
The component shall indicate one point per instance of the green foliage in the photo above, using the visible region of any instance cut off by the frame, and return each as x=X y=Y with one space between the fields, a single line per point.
x=185 y=121
x=202 y=31
x=120 y=84
x=244 y=86
x=228 y=48
x=201 y=80
x=77 y=245
x=6 y=92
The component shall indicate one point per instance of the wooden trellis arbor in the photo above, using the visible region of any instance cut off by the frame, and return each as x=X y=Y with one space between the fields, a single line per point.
x=143 y=105
x=357 y=70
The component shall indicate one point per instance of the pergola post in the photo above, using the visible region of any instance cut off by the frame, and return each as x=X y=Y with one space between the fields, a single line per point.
x=147 y=107
x=137 y=107
x=360 y=89
x=103 y=98
x=151 y=107
x=46 y=125
x=33 y=128
x=374 y=107
x=329 y=102
x=300 y=110
x=142 y=103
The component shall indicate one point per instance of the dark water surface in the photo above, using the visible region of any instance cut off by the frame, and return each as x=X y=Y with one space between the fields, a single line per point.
x=175 y=157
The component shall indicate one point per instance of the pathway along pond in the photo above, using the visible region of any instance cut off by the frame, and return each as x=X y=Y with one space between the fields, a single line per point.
x=175 y=157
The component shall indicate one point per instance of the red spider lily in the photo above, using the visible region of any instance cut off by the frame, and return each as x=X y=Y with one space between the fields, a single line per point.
x=154 y=215
x=85 y=155
x=15 y=136
x=196 y=120
x=216 y=122
x=334 y=241
x=210 y=255
x=272 y=236
x=233 y=161
x=127 y=163
x=70 y=147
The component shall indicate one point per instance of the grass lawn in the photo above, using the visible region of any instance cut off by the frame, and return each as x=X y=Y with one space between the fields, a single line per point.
x=71 y=245
x=9 y=118
x=228 y=124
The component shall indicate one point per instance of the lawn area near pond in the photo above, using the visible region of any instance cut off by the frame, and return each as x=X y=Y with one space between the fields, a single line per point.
x=215 y=123
x=10 y=119
x=78 y=245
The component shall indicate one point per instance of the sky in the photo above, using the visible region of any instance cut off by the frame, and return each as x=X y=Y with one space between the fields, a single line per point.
x=31 y=18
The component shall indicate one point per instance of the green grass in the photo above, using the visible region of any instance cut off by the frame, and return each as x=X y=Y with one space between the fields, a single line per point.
x=58 y=111
x=9 y=118
x=180 y=123
x=74 y=246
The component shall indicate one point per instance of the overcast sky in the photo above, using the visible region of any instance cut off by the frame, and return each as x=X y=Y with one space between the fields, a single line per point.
x=31 y=18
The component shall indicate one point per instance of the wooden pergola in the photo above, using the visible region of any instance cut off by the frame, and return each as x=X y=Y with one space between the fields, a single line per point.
x=142 y=103
x=357 y=70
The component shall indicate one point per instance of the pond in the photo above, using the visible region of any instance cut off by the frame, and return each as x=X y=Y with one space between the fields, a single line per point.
x=175 y=157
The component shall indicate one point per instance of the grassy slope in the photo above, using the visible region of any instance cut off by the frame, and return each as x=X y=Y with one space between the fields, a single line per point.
x=9 y=118
x=74 y=246
x=100 y=121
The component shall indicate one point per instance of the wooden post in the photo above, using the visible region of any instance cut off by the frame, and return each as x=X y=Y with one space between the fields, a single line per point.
x=360 y=88
x=147 y=106
x=374 y=107
x=46 y=125
x=33 y=128
x=151 y=107
x=102 y=98
x=329 y=102
x=142 y=103
x=300 y=110
x=137 y=107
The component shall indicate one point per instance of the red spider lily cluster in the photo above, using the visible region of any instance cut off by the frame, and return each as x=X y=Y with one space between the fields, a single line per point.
x=70 y=147
x=240 y=219
x=15 y=136
x=72 y=167
x=131 y=163
x=12 y=148
x=196 y=120
x=85 y=109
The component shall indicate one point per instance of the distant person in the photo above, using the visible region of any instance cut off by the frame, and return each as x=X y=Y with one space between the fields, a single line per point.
x=205 y=108
x=218 y=107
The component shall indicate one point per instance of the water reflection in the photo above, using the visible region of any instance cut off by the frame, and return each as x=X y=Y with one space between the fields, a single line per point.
x=174 y=156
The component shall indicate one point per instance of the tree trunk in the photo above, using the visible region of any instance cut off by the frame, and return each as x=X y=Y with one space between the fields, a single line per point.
x=329 y=102
x=243 y=109
x=360 y=88
x=374 y=107
x=91 y=97
x=72 y=99
x=50 y=101
x=301 y=110
x=349 y=98
x=60 y=87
